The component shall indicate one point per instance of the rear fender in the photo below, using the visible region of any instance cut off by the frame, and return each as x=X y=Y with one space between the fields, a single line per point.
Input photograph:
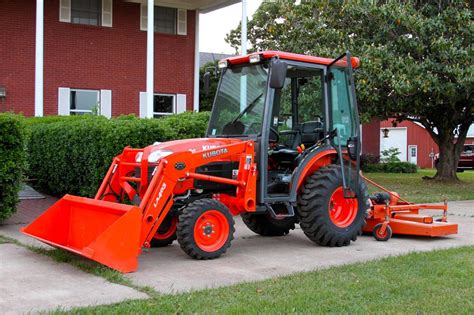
x=316 y=159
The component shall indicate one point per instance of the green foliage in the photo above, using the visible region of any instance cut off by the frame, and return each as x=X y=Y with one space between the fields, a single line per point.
x=390 y=167
x=206 y=101
x=12 y=161
x=390 y=155
x=416 y=56
x=72 y=155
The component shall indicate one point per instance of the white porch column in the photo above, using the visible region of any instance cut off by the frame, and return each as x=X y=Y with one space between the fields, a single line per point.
x=196 y=64
x=150 y=58
x=243 y=33
x=39 y=56
x=243 y=44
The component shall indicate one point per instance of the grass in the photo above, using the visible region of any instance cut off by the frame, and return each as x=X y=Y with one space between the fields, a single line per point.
x=438 y=282
x=4 y=240
x=416 y=189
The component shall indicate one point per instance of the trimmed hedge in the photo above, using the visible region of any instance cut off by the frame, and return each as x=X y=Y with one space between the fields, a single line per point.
x=72 y=155
x=390 y=167
x=12 y=162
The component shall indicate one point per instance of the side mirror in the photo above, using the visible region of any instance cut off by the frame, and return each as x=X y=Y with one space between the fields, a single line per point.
x=207 y=81
x=353 y=148
x=278 y=76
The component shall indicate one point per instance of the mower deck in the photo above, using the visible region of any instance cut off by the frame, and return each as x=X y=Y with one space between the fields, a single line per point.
x=398 y=216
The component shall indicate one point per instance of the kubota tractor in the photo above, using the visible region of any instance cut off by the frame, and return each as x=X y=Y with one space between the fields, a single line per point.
x=282 y=147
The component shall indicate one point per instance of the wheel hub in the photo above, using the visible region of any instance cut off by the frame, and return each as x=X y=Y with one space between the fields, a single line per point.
x=208 y=230
x=342 y=211
x=211 y=230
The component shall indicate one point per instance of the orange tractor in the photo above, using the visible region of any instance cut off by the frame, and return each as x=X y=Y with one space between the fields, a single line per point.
x=282 y=147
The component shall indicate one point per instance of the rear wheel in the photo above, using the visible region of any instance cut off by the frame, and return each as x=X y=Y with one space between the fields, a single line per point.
x=326 y=217
x=266 y=225
x=205 y=229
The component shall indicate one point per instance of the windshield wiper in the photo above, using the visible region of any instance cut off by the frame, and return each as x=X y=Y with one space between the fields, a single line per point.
x=246 y=109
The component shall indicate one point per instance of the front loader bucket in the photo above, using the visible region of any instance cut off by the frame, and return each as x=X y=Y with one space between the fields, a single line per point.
x=104 y=231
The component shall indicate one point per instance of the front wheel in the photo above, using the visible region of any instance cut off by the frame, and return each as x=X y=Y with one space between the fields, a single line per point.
x=166 y=233
x=326 y=217
x=205 y=229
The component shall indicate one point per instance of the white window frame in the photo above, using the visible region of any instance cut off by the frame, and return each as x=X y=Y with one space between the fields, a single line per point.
x=84 y=110
x=106 y=13
x=161 y=113
x=181 y=25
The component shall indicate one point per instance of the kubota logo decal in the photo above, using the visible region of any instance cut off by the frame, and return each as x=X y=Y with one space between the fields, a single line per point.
x=214 y=153
x=160 y=194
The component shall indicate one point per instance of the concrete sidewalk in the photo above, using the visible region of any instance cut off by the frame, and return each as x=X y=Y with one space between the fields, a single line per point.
x=32 y=283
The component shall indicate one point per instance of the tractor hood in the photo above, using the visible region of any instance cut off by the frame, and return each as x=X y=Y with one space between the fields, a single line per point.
x=159 y=150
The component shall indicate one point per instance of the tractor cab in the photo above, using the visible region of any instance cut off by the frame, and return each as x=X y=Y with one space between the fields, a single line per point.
x=293 y=107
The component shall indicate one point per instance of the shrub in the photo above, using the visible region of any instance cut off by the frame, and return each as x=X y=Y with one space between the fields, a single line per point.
x=391 y=167
x=12 y=161
x=72 y=155
x=400 y=167
x=390 y=155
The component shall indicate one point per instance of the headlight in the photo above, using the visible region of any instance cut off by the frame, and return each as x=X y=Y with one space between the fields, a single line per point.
x=222 y=64
x=254 y=58
x=155 y=156
x=138 y=157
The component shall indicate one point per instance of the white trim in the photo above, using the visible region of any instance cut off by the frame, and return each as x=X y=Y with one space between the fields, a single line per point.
x=64 y=101
x=181 y=103
x=107 y=16
x=181 y=24
x=150 y=59
x=105 y=103
x=39 y=59
x=243 y=33
x=409 y=157
x=65 y=11
x=196 y=65
x=243 y=43
x=143 y=17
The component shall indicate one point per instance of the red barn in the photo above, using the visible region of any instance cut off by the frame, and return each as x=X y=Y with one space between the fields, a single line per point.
x=411 y=139
x=72 y=57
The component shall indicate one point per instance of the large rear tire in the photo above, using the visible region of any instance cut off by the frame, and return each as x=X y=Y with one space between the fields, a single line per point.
x=326 y=217
x=205 y=229
x=266 y=225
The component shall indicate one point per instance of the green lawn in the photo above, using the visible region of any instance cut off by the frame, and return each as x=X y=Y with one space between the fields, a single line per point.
x=416 y=189
x=439 y=282
x=3 y=240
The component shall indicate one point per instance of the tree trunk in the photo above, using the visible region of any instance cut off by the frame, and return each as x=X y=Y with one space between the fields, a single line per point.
x=447 y=162
x=450 y=149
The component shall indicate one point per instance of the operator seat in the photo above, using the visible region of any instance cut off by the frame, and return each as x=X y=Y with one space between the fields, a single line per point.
x=311 y=132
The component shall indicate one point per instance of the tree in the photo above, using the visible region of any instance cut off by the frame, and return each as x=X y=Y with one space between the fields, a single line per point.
x=416 y=58
x=206 y=101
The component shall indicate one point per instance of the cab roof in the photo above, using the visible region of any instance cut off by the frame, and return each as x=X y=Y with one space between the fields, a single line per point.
x=290 y=56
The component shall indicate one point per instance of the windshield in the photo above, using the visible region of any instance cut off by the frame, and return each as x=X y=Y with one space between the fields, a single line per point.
x=240 y=99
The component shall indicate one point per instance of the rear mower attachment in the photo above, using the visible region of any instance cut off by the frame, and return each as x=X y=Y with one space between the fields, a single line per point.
x=390 y=214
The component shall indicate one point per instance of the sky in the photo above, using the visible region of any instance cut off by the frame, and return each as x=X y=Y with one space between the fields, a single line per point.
x=214 y=26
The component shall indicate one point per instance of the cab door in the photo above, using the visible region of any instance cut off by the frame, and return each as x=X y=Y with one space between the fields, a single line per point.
x=344 y=118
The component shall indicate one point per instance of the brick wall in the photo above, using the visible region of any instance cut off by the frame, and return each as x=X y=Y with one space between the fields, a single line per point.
x=90 y=57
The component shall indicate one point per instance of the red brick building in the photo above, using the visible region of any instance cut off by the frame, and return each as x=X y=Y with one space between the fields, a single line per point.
x=76 y=56
x=412 y=140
